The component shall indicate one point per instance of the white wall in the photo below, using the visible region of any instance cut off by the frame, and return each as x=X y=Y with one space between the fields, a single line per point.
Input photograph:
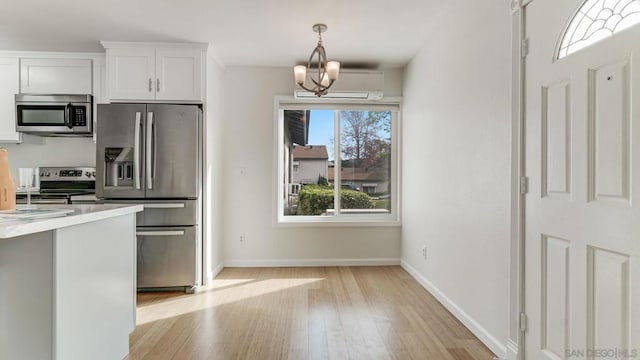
x=456 y=157
x=248 y=173
x=52 y=152
x=213 y=148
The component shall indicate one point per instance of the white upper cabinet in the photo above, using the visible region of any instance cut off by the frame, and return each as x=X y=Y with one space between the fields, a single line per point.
x=179 y=74
x=56 y=76
x=131 y=73
x=162 y=72
x=9 y=87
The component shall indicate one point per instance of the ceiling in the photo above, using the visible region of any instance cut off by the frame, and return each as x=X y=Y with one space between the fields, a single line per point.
x=361 y=33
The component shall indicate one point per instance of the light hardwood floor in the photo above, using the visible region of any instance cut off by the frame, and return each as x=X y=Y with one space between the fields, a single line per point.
x=302 y=313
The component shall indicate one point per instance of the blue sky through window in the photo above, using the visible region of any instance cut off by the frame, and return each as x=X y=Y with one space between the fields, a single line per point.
x=321 y=129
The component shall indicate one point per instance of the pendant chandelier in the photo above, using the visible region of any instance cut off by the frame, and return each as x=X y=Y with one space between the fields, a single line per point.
x=326 y=72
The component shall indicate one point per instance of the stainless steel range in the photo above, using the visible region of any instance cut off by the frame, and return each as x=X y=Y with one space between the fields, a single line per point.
x=63 y=185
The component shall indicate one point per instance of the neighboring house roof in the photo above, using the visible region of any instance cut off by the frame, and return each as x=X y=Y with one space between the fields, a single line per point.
x=317 y=152
x=360 y=174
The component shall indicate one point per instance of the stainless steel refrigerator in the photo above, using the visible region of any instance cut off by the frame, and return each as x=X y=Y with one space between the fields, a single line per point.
x=151 y=154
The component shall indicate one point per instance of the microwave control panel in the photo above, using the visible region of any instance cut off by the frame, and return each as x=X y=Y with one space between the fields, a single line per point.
x=79 y=116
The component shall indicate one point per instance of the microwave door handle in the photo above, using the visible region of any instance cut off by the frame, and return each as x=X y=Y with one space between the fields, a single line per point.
x=67 y=116
x=149 y=150
x=136 y=152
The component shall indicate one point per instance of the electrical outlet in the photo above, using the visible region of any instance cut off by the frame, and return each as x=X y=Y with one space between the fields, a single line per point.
x=424 y=251
x=243 y=238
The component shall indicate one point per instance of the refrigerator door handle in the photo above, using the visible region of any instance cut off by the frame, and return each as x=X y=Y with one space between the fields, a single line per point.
x=136 y=152
x=161 y=233
x=149 y=150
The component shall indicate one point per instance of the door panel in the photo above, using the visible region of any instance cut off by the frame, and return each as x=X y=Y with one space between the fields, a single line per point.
x=556 y=140
x=166 y=256
x=173 y=151
x=609 y=125
x=119 y=157
x=582 y=237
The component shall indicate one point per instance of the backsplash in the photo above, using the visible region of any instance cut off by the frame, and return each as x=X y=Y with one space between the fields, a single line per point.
x=54 y=152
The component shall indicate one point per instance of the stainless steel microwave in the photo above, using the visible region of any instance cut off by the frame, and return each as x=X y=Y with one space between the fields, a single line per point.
x=54 y=115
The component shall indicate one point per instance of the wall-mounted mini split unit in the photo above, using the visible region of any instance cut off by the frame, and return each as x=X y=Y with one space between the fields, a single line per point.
x=352 y=84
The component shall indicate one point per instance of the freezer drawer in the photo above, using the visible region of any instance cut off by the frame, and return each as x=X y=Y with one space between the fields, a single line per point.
x=164 y=212
x=166 y=257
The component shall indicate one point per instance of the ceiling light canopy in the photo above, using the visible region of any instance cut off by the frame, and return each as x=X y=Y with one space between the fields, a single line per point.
x=327 y=72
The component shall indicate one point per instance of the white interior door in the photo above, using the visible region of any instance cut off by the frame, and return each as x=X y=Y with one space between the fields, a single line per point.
x=582 y=274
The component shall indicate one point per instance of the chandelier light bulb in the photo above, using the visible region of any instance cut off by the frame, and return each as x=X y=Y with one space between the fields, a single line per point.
x=333 y=69
x=300 y=73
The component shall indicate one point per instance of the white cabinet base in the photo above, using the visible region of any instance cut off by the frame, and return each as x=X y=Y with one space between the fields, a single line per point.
x=69 y=293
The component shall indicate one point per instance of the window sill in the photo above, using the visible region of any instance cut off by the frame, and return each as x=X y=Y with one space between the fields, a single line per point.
x=335 y=223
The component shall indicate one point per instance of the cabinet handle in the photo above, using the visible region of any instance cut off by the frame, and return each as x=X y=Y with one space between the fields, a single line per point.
x=150 y=85
x=158 y=85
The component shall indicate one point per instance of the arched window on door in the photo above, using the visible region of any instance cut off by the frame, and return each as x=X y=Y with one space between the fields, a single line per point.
x=596 y=20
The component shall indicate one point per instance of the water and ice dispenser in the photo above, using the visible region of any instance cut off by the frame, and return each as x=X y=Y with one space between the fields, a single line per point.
x=119 y=167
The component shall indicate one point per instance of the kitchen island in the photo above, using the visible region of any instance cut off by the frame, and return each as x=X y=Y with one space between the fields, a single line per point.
x=67 y=284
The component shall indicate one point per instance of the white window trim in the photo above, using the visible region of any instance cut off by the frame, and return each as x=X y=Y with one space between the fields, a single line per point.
x=374 y=220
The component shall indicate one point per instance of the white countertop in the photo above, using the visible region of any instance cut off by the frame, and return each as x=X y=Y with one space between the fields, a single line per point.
x=82 y=213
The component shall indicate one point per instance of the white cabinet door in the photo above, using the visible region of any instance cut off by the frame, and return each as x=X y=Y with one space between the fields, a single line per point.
x=9 y=86
x=178 y=74
x=56 y=76
x=131 y=73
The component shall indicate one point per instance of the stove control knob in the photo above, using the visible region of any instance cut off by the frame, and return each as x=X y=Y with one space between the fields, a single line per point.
x=42 y=174
x=93 y=173
x=87 y=174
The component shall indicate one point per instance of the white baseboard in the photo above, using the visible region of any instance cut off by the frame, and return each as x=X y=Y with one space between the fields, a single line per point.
x=213 y=273
x=512 y=350
x=480 y=332
x=216 y=270
x=311 y=262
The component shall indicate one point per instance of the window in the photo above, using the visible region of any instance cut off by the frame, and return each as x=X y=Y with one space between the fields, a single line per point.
x=596 y=20
x=342 y=160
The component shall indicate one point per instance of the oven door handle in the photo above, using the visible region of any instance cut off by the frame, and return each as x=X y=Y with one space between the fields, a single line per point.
x=67 y=115
x=136 y=152
x=45 y=201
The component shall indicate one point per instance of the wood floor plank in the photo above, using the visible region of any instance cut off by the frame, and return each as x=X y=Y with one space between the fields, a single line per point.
x=302 y=313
